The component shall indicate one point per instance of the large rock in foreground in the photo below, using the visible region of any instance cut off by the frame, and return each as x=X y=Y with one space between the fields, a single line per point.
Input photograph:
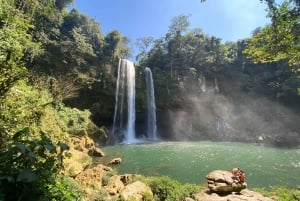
x=86 y=144
x=76 y=162
x=244 y=195
x=136 y=191
x=223 y=182
x=93 y=177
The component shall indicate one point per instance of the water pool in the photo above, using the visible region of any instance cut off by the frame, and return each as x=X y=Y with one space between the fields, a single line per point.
x=190 y=162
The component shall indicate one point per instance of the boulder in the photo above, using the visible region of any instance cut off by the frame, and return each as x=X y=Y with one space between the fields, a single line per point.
x=136 y=191
x=115 y=185
x=86 y=144
x=93 y=177
x=126 y=178
x=94 y=151
x=243 y=195
x=75 y=162
x=222 y=182
x=115 y=161
x=188 y=199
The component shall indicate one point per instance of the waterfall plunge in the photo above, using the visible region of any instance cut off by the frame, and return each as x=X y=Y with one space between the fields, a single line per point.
x=151 y=113
x=125 y=87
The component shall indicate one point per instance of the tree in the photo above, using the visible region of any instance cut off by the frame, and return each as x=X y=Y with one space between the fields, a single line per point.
x=15 y=44
x=179 y=25
x=144 y=44
x=115 y=45
x=89 y=28
x=280 y=40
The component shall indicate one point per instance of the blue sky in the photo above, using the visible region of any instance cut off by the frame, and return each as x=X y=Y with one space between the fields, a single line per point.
x=227 y=19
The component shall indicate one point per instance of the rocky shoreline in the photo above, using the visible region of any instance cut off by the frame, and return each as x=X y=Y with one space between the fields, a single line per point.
x=102 y=180
x=128 y=187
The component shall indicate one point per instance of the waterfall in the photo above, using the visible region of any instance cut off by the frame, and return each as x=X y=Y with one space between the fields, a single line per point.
x=125 y=87
x=151 y=108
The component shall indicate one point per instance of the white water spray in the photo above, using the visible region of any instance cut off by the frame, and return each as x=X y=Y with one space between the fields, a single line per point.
x=151 y=113
x=125 y=87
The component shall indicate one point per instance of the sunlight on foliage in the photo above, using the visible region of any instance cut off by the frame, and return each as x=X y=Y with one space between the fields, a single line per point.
x=165 y=188
x=281 y=193
x=278 y=41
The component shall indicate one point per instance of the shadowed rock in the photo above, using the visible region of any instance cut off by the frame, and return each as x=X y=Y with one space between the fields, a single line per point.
x=115 y=161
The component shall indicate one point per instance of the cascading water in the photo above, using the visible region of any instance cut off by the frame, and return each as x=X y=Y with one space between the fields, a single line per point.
x=151 y=113
x=125 y=87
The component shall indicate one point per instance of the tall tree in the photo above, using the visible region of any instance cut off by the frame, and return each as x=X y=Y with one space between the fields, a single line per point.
x=144 y=44
x=179 y=25
x=115 y=45
x=15 y=44
x=280 y=40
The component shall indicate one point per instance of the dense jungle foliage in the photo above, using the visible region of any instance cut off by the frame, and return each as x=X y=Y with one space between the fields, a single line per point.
x=58 y=76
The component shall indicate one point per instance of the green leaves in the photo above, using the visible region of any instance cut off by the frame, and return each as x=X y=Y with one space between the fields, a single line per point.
x=29 y=164
x=21 y=133
x=167 y=189
x=179 y=25
x=15 y=44
x=279 y=41
x=115 y=45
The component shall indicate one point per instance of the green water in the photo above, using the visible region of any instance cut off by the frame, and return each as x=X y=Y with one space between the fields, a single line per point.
x=190 y=162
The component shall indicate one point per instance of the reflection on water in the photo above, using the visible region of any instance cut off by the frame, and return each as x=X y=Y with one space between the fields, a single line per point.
x=190 y=162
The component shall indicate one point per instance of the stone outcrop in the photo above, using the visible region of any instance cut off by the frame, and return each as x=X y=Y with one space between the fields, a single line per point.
x=100 y=181
x=189 y=199
x=243 y=195
x=115 y=161
x=224 y=182
x=120 y=185
x=115 y=185
x=86 y=144
x=227 y=186
x=94 y=151
x=136 y=191
x=93 y=177
x=75 y=162
x=77 y=158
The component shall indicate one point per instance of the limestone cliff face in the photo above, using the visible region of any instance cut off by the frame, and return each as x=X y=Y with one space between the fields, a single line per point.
x=213 y=116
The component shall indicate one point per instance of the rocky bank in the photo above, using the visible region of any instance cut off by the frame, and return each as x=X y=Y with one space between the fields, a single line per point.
x=102 y=183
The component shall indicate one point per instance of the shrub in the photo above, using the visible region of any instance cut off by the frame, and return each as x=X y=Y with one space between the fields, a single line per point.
x=32 y=140
x=147 y=197
x=27 y=106
x=28 y=167
x=62 y=189
x=166 y=189
x=74 y=121
x=281 y=193
x=22 y=107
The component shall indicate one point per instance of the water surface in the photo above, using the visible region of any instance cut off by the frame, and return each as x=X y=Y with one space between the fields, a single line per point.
x=190 y=162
